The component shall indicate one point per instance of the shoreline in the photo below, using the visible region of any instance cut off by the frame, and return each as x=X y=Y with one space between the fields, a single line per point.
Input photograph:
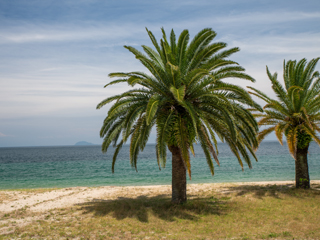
x=89 y=212
x=46 y=211
x=262 y=182
x=45 y=199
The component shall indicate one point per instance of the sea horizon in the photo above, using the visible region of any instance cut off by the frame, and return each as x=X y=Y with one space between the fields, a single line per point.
x=97 y=144
x=71 y=166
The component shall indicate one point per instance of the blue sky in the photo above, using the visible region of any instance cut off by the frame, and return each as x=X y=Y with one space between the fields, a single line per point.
x=55 y=56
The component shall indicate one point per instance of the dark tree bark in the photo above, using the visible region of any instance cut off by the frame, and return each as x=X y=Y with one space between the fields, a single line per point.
x=179 y=180
x=302 y=170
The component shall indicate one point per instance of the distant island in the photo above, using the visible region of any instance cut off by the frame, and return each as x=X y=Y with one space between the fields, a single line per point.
x=83 y=143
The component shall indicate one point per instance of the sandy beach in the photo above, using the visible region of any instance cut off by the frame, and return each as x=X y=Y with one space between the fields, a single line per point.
x=43 y=200
x=37 y=202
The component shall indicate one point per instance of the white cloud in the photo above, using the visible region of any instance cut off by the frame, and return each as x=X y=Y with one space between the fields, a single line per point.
x=288 y=44
x=23 y=32
x=57 y=69
x=28 y=32
x=2 y=135
x=254 y=18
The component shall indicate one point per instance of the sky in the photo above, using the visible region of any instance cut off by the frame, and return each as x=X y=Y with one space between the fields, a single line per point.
x=55 y=56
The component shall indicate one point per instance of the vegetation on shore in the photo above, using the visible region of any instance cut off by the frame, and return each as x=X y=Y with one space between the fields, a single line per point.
x=295 y=113
x=184 y=96
x=231 y=212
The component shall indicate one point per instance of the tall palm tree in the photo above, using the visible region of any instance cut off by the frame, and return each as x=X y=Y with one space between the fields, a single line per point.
x=295 y=113
x=184 y=97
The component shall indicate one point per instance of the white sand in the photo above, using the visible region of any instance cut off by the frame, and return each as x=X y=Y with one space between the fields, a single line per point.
x=42 y=201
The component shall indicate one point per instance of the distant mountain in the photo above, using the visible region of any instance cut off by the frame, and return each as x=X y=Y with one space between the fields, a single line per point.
x=83 y=143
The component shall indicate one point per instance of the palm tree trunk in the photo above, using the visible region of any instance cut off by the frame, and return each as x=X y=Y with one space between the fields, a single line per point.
x=302 y=171
x=179 y=180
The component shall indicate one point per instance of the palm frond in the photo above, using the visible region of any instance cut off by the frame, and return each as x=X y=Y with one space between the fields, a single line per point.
x=262 y=134
x=181 y=136
x=292 y=141
x=116 y=152
x=152 y=108
x=183 y=95
x=162 y=125
x=279 y=130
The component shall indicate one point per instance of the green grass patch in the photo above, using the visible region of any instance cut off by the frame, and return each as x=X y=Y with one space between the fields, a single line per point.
x=244 y=212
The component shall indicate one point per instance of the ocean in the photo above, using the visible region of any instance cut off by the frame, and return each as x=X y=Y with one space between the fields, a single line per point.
x=70 y=166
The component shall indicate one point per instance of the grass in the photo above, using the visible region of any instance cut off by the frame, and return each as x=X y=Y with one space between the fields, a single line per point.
x=240 y=212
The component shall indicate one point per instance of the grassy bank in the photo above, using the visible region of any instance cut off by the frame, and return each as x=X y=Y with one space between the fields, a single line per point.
x=232 y=211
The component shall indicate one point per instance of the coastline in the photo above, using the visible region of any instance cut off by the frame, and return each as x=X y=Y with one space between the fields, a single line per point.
x=88 y=212
x=42 y=200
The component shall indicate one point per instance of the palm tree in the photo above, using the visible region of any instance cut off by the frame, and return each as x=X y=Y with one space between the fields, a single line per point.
x=295 y=113
x=184 y=97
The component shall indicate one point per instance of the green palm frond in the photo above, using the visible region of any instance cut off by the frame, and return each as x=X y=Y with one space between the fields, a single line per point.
x=262 y=134
x=213 y=138
x=259 y=94
x=184 y=96
x=182 y=140
x=114 y=130
x=203 y=139
x=215 y=62
x=278 y=106
x=163 y=122
x=115 y=82
x=242 y=149
x=296 y=110
x=134 y=112
x=134 y=144
x=179 y=93
x=152 y=108
x=205 y=136
x=116 y=152
x=234 y=148
x=312 y=133
x=280 y=129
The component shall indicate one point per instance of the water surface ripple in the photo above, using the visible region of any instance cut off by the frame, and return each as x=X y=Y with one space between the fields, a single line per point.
x=68 y=166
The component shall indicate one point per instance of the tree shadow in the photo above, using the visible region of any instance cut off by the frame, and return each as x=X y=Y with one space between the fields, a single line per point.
x=316 y=186
x=274 y=190
x=159 y=206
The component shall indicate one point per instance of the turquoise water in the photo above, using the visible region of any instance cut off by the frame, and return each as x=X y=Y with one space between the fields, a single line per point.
x=35 y=167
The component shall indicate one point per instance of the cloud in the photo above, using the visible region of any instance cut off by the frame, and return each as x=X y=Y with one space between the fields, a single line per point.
x=287 y=44
x=54 y=64
x=2 y=135
x=28 y=32
x=268 y=17
x=25 y=32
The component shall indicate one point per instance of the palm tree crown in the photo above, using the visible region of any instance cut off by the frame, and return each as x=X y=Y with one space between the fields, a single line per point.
x=184 y=97
x=295 y=113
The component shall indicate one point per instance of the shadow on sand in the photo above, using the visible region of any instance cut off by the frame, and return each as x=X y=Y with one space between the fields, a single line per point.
x=273 y=190
x=159 y=206
x=217 y=203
